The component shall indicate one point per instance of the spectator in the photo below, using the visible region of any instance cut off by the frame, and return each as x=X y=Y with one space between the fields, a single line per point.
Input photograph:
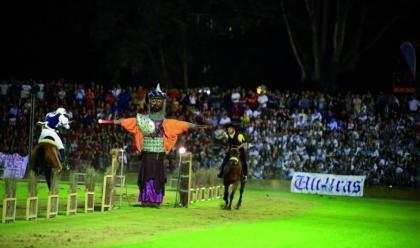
x=413 y=105
x=359 y=134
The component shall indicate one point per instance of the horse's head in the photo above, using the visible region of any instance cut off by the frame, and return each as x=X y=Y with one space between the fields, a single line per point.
x=232 y=171
x=234 y=153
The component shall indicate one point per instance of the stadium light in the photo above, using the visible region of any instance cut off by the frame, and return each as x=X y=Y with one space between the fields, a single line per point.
x=182 y=150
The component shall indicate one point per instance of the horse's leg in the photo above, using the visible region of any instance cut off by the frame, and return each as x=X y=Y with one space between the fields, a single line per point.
x=241 y=191
x=232 y=194
x=226 y=194
x=54 y=160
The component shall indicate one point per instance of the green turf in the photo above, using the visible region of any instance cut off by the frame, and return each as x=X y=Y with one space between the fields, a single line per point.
x=268 y=219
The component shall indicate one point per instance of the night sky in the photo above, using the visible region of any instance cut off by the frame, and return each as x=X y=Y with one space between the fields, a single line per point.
x=58 y=39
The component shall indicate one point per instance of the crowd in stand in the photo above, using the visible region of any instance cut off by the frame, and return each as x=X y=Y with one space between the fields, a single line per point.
x=377 y=135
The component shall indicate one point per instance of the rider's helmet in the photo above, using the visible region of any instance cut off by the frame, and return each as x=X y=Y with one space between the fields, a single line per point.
x=61 y=111
x=63 y=118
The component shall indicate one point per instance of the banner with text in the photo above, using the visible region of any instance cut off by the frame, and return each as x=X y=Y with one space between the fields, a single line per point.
x=13 y=165
x=327 y=184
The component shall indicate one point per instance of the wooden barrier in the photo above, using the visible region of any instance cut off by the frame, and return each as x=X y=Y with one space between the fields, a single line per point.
x=107 y=191
x=218 y=191
x=192 y=195
x=71 y=203
x=89 y=202
x=32 y=208
x=210 y=193
x=9 y=209
x=203 y=193
x=198 y=197
x=80 y=177
x=197 y=194
x=120 y=182
x=52 y=205
x=109 y=181
x=185 y=167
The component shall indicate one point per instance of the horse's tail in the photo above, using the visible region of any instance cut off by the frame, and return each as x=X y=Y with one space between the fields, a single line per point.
x=44 y=157
x=37 y=156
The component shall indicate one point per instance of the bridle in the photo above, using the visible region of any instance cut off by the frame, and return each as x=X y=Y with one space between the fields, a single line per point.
x=236 y=159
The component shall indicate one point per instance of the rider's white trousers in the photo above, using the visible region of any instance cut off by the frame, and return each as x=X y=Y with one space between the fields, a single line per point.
x=52 y=133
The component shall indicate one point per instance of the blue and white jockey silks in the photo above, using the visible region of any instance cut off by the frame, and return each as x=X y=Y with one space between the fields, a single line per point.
x=51 y=123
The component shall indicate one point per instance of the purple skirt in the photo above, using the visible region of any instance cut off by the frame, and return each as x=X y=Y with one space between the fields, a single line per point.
x=152 y=178
x=149 y=194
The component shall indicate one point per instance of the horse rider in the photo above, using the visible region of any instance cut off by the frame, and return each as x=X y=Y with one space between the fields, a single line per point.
x=235 y=139
x=53 y=121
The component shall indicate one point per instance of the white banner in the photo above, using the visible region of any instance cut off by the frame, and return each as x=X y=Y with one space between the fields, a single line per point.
x=327 y=184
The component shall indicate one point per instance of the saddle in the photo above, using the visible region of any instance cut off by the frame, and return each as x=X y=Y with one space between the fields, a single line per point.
x=49 y=141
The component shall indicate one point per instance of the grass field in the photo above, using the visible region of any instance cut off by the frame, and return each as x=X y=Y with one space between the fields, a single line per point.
x=270 y=217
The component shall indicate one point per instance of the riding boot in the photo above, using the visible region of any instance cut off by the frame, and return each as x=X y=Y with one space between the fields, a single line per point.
x=245 y=169
x=61 y=155
x=244 y=163
x=225 y=161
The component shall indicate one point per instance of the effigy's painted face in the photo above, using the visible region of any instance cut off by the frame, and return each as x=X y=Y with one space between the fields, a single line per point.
x=156 y=104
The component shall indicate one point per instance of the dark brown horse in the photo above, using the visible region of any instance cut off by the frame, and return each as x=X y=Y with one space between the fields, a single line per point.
x=44 y=158
x=232 y=174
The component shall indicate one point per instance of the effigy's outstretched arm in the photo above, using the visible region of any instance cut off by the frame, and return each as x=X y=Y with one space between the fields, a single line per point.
x=192 y=125
x=116 y=122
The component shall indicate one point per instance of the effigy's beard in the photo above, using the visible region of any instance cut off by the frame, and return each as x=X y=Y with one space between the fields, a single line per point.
x=155 y=109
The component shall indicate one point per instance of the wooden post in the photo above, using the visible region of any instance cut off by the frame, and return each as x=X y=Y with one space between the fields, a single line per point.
x=80 y=177
x=203 y=193
x=107 y=195
x=121 y=180
x=218 y=193
x=31 y=208
x=198 y=194
x=211 y=194
x=114 y=160
x=53 y=200
x=109 y=181
x=71 y=203
x=89 y=205
x=185 y=178
x=192 y=196
x=7 y=216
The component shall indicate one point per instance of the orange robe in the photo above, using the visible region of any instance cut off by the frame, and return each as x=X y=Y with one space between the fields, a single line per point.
x=171 y=130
